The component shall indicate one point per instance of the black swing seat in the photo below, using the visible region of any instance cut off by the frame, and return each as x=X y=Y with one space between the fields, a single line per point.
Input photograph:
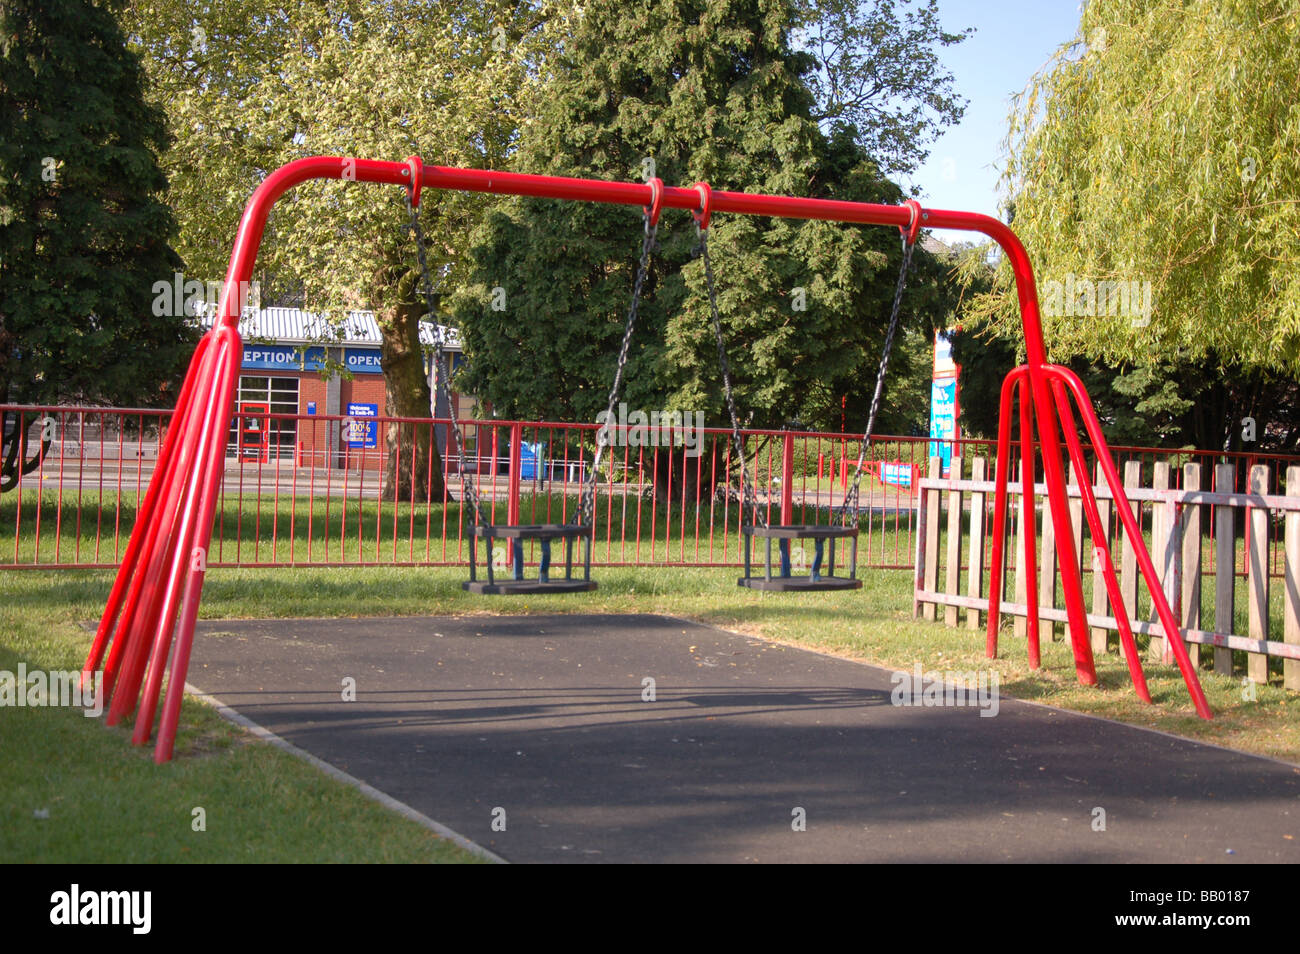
x=517 y=583
x=786 y=581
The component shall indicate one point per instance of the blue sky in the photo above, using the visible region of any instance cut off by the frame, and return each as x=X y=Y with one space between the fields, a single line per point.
x=1012 y=41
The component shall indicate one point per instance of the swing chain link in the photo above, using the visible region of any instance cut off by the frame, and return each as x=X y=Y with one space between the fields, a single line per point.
x=850 y=509
x=749 y=499
x=467 y=489
x=587 y=502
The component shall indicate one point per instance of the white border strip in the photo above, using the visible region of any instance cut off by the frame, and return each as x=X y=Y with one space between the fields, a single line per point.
x=372 y=793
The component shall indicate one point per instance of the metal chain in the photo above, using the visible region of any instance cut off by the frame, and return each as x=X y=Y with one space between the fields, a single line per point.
x=587 y=502
x=851 y=505
x=749 y=499
x=467 y=490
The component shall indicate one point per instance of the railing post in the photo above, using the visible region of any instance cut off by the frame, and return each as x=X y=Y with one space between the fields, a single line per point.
x=512 y=503
x=787 y=479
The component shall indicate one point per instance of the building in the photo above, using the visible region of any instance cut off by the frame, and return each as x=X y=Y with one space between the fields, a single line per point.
x=293 y=364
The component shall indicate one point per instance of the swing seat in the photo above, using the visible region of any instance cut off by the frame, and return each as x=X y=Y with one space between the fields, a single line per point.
x=517 y=583
x=786 y=581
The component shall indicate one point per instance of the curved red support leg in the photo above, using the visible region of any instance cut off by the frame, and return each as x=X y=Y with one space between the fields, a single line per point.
x=1168 y=623
x=1103 y=566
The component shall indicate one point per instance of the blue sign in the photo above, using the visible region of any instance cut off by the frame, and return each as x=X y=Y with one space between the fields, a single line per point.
x=898 y=474
x=282 y=358
x=361 y=433
x=943 y=419
x=362 y=360
x=311 y=407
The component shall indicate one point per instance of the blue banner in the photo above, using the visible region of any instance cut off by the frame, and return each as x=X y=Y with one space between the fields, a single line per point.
x=282 y=358
x=943 y=419
x=362 y=360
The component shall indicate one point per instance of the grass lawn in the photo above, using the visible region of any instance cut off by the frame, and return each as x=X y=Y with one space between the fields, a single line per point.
x=107 y=801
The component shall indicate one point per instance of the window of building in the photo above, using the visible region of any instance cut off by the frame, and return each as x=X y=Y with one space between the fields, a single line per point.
x=278 y=396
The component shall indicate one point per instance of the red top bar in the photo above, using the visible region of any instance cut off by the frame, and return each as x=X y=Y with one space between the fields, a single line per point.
x=618 y=193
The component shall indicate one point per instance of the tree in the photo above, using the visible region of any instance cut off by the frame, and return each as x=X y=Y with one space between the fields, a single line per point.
x=1156 y=161
x=251 y=84
x=880 y=76
x=707 y=90
x=86 y=230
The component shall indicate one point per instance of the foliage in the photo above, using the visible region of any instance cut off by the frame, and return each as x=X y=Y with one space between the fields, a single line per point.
x=881 y=76
x=86 y=231
x=1162 y=146
x=705 y=91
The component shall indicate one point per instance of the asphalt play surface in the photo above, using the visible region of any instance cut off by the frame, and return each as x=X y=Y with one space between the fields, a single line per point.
x=543 y=723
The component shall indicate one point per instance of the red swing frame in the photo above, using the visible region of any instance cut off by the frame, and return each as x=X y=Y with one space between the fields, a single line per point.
x=163 y=569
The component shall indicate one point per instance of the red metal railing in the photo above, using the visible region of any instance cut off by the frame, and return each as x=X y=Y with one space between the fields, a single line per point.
x=316 y=498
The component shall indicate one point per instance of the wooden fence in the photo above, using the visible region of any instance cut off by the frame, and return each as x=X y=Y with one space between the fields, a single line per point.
x=1193 y=539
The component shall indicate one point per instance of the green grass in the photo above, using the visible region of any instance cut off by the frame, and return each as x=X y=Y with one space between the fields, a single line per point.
x=107 y=800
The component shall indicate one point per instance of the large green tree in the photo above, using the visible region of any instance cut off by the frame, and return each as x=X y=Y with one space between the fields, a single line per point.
x=693 y=90
x=85 y=230
x=880 y=75
x=251 y=84
x=1160 y=149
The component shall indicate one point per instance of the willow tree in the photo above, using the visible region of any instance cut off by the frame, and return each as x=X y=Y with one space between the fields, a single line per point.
x=1158 y=154
x=249 y=85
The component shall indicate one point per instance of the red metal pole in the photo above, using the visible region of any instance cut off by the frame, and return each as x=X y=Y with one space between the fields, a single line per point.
x=787 y=479
x=183 y=552
x=512 y=503
x=196 y=564
x=126 y=573
x=997 y=559
x=1172 y=632
x=1103 y=565
x=1030 y=510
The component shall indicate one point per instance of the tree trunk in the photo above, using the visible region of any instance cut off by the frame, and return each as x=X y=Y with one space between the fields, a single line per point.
x=413 y=468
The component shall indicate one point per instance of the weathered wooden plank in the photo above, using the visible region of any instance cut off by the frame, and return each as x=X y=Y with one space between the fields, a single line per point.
x=1225 y=567
x=1099 y=635
x=1128 y=587
x=1161 y=552
x=975 y=572
x=1291 y=601
x=1257 y=574
x=932 y=539
x=1190 y=560
x=1047 y=575
x=952 y=578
